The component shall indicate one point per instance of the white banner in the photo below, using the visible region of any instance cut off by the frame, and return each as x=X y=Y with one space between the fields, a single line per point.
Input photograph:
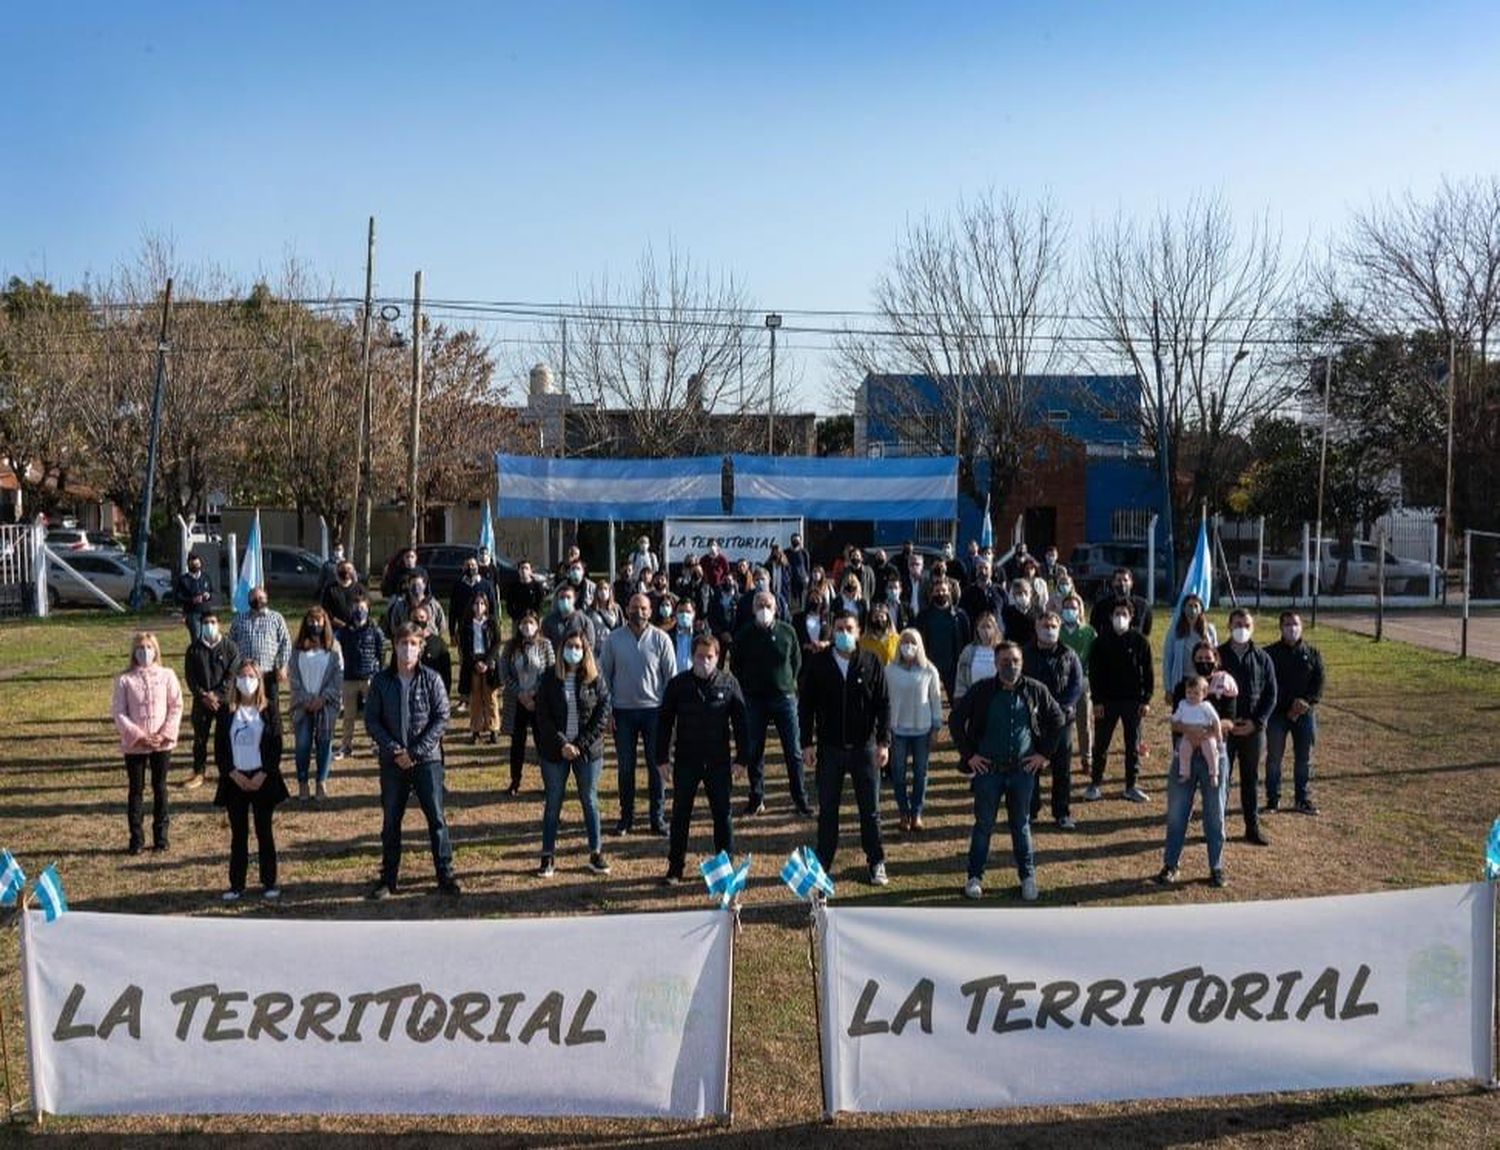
x=614 y=1016
x=970 y=1009
x=737 y=538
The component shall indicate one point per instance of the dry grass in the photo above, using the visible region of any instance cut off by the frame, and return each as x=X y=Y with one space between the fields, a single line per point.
x=1409 y=774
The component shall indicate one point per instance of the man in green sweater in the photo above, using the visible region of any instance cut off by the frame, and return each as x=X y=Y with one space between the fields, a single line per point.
x=767 y=660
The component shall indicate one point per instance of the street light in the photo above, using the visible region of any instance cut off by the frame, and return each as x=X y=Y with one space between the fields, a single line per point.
x=773 y=321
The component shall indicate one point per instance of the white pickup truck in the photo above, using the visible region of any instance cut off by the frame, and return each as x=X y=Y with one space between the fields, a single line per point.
x=1283 y=573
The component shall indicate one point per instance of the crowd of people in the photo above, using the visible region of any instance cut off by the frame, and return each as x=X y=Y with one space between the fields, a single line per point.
x=859 y=665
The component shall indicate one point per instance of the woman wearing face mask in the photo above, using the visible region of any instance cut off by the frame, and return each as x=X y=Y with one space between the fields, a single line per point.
x=852 y=600
x=1192 y=628
x=572 y=712
x=406 y=608
x=1062 y=587
x=1077 y=636
x=604 y=613
x=916 y=716
x=814 y=625
x=527 y=657
x=479 y=669
x=147 y=711
x=363 y=648
x=976 y=662
x=247 y=750
x=880 y=637
x=1222 y=694
x=317 y=669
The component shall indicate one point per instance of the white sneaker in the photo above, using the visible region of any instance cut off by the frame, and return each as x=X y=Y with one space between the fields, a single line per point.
x=973 y=889
x=878 y=876
x=1028 y=889
x=230 y=896
x=271 y=893
x=1092 y=795
x=1136 y=795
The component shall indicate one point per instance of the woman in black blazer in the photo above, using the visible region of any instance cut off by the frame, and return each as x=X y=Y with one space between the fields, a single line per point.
x=572 y=711
x=247 y=750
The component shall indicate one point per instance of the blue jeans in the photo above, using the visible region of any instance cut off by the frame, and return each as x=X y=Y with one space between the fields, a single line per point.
x=307 y=736
x=1015 y=787
x=632 y=724
x=1304 y=732
x=586 y=774
x=1180 y=795
x=396 y=787
x=918 y=748
x=781 y=710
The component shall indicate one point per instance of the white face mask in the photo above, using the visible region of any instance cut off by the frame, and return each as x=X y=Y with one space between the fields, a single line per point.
x=247 y=684
x=1240 y=634
x=1121 y=623
x=1047 y=634
x=528 y=629
x=908 y=650
x=765 y=615
x=145 y=656
x=704 y=666
x=409 y=653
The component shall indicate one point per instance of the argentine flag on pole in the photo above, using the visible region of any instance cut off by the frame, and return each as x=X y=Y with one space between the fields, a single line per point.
x=49 y=892
x=723 y=879
x=487 y=531
x=986 y=531
x=252 y=568
x=805 y=874
x=1491 y=853
x=1200 y=574
x=12 y=879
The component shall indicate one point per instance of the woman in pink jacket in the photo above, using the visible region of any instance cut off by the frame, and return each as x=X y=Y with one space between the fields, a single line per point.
x=147 y=708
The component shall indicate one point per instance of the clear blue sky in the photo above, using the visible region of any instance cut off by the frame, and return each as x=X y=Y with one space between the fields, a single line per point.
x=518 y=151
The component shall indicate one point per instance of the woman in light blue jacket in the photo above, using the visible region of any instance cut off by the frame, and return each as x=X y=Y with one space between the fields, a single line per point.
x=1192 y=628
x=916 y=715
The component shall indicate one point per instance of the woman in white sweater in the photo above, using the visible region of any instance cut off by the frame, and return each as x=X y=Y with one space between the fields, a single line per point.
x=916 y=715
x=977 y=661
x=317 y=673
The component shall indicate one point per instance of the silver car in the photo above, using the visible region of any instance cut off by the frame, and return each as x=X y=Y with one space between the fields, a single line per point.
x=111 y=572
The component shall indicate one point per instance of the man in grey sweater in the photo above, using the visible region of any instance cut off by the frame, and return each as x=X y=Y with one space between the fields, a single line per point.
x=637 y=663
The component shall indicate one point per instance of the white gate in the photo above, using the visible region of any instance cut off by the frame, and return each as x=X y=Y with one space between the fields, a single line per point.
x=19 y=582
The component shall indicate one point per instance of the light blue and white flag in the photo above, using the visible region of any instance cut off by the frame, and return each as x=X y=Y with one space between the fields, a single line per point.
x=487 y=530
x=1199 y=580
x=723 y=878
x=49 y=893
x=986 y=529
x=1492 y=853
x=909 y=487
x=12 y=879
x=252 y=568
x=805 y=874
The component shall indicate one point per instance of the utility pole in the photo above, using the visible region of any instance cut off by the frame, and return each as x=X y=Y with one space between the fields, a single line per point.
x=1317 y=546
x=416 y=410
x=1170 y=555
x=1448 y=481
x=362 y=435
x=143 y=523
x=773 y=321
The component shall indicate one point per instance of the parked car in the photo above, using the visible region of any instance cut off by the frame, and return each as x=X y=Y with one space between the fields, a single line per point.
x=1282 y=574
x=292 y=573
x=445 y=567
x=65 y=539
x=113 y=573
x=1092 y=565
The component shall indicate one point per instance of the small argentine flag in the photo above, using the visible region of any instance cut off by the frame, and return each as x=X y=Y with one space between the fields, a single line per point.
x=723 y=878
x=49 y=892
x=252 y=568
x=12 y=879
x=487 y=531
x=805 y=874
x=1491 y=853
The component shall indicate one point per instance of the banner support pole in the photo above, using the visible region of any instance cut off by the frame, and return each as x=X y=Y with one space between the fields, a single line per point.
x=814 y=922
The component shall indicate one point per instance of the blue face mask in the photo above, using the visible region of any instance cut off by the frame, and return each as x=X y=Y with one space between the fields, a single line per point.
x=565 y=606
x=844 y=642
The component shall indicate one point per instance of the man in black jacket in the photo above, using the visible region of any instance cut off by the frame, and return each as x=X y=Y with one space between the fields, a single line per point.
x=1120 y=592
x=195 y=595
x=339 y=595
x=209 y=671
x=1256 y=678
x=1299 y=689
x=471 y=585
x=1057 y=668
x=1005 y=729
x=845 y=716
x=1120 y=685
x=525 y=594
x=704 y=705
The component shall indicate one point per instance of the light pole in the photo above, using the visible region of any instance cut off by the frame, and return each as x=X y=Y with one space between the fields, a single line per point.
x=1317 y=547
x=773 y=321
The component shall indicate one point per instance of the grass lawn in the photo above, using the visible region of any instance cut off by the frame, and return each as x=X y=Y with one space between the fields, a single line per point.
x=1408 y=778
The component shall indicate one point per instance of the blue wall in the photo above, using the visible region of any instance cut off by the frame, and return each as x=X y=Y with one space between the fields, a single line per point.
x=1116 y=483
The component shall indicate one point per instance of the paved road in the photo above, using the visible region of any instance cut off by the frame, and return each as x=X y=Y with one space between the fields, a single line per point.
x=1436 y=629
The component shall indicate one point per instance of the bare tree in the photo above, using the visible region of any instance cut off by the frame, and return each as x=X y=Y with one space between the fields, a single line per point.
x=1194 y=308
x=651 y=367
x=972 y=300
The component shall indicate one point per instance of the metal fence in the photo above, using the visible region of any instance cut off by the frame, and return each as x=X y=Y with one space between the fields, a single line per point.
x=21 y=593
